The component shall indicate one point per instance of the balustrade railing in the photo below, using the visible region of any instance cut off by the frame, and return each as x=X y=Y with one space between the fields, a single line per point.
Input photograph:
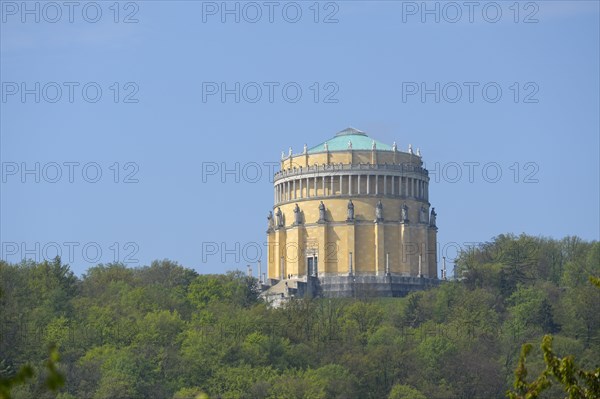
x=336 y=168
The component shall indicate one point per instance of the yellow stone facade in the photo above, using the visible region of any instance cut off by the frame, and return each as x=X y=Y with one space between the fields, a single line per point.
x=305 y=241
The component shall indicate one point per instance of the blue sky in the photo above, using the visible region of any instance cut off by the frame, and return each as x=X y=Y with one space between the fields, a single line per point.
x=158 y=124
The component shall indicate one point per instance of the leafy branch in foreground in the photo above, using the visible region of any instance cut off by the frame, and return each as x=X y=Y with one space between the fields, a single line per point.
x=576 y=382
x=21 y=377
x=54 y=380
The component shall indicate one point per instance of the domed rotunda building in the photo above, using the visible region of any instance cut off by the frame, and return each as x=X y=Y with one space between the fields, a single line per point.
x=351 y=216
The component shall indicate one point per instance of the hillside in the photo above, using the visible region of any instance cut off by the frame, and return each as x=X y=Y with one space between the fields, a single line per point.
x=164 y=331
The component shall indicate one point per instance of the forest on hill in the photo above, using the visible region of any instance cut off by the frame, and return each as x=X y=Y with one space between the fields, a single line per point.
x=165 y=331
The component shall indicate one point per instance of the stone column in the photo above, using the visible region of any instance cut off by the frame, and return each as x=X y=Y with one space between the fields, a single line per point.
x=423 y=249
x=387 y=263
x=350 y=265
x=432 y=252
x=351 y=243
x=406 y=250
x=349 y=184
x=379 y=248
x=272 y=255
x=295 y=260
x=279 y=250
x=323 y=250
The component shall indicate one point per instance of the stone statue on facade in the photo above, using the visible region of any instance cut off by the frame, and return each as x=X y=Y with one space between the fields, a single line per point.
x=350 y=211
x=305 y=149
x=410 y=151
x=432 y=218
x=321 y=212
x=373 y=146
x=379 y=212
x=404 y=212
x=394 y=147
x=270 y=221
x=349 y=144
x=326 y=147
x=418 y=152
x=279 y=216
x=297 y=215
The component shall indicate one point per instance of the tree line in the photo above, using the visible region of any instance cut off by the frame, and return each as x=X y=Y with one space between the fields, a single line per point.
x=165 y=331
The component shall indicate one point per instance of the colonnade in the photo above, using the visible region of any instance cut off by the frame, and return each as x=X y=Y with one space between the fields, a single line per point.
x=301 y=187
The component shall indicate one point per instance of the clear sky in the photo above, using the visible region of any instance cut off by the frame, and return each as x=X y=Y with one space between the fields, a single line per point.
x=163 y=100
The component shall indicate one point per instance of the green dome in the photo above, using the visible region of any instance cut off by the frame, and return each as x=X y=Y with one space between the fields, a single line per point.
x=359 y=140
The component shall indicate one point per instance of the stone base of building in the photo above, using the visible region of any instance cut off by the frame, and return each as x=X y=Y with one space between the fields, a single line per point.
x=372 y=286
x=350 y=286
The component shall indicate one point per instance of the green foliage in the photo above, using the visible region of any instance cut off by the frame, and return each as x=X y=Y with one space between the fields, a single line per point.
x=7 y=383
x=190 y=393
x=405 y=392
x=163 y=331
x=530 y=307
x=576 y=382
x=54 y=378
x=233 y=287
